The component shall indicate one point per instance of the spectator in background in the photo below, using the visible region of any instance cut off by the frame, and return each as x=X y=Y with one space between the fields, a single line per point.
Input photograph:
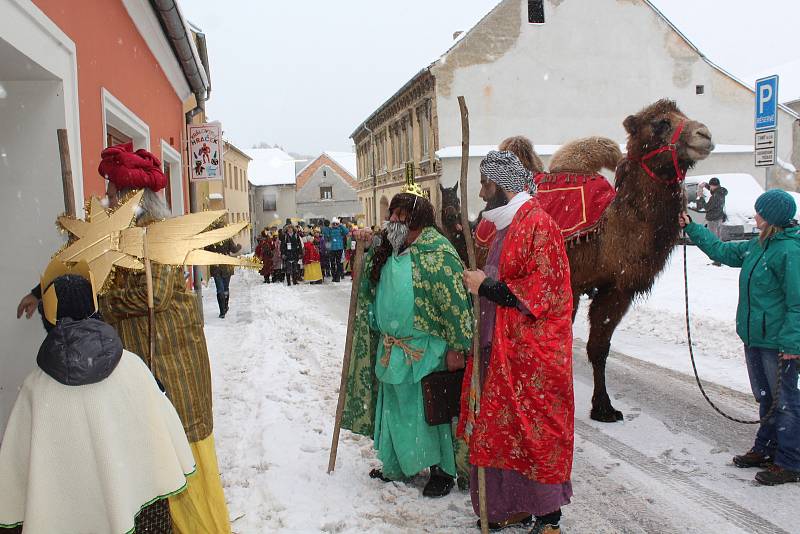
x=312 y=269
x=277 y=257
x=222 y=273
x=335 y=235
x=714 y=207
x=292 y=254
x=319 y=240
x=264 y=252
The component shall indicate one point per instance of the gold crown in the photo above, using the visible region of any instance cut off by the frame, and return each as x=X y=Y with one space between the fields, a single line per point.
x=412 y=187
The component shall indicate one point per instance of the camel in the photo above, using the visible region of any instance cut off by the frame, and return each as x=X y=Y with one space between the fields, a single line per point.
x=637 y=232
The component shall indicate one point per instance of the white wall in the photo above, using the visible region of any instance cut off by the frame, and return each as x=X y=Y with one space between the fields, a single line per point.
x=31 y=196
x=581 y=73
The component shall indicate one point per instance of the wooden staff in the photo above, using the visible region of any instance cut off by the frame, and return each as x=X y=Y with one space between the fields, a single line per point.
x=66 y=172
x=476 y=302
x=151 y=312
x=355 y=268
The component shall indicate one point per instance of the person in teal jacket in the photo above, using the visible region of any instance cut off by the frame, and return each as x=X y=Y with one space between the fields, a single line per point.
x=768 y=322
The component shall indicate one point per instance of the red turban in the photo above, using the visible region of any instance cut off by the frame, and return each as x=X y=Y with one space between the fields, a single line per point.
x=132 y=170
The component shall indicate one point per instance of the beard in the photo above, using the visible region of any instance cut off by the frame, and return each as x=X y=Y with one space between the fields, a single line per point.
x=396 y=234
x=498 y=200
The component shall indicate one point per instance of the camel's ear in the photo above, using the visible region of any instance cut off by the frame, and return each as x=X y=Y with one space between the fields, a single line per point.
x=631 y=124
x=441 y=188
x=455 y=187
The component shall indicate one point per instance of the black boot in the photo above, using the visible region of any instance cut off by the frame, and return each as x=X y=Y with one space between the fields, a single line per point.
x=227 y=300
x=776 y=475
x=752 y=459
x=439 y=484
x=221 y=302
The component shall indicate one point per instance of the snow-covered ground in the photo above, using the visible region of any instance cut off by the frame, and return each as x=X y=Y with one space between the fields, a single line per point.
x=654 y=329
x=276 y=363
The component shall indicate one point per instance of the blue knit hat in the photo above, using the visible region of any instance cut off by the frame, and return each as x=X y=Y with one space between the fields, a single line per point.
x=777 y=207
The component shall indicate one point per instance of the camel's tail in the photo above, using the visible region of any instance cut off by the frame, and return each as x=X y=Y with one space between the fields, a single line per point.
x=587 y=155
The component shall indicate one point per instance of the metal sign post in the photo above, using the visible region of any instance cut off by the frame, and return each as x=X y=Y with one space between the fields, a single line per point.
x=766 y=124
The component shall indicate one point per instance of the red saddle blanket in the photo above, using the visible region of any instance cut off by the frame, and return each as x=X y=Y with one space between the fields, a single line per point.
x=575 y=201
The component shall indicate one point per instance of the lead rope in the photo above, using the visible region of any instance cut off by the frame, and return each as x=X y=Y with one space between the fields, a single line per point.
x=694 y=367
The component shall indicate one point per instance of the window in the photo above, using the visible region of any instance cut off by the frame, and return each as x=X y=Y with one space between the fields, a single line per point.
x=423 y=118
x=326 y=193
x=115 y=137
x=699 y=89
x=270 y=202
x=324 y=172
x=410 y=139
x=536 y=11
x=121 y=124
x=172 y=170
x=168 y=189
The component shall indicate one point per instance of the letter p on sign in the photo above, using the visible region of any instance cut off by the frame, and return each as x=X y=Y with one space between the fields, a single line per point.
x=764 y=97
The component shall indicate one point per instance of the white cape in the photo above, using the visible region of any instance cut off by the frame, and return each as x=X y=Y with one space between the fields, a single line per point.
x=86 y=459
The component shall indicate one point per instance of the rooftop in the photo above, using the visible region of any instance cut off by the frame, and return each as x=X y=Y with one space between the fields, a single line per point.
x=270 y=166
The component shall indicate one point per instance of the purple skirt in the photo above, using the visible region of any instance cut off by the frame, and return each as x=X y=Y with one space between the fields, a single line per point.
x=509 y=493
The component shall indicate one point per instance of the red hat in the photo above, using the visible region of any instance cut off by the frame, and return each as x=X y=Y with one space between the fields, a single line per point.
x=132 y=170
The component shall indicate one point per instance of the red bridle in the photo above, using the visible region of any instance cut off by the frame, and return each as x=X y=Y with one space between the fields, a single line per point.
x=680 y=174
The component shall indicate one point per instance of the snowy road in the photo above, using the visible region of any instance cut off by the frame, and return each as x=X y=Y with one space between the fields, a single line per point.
x=277 y=361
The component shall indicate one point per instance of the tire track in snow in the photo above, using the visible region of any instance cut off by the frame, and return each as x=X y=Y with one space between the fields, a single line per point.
x=726 y=508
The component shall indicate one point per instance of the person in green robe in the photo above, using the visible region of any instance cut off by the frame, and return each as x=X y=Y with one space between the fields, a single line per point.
x=414 y=317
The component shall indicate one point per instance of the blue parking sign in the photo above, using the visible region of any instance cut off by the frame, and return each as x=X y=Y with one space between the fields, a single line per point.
x=767 y=103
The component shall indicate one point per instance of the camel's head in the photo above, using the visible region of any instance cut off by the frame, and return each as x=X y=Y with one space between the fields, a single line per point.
x=451 y=206
x=655 y=127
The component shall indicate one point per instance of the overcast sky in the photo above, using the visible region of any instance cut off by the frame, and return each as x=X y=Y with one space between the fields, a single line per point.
x=305 y=73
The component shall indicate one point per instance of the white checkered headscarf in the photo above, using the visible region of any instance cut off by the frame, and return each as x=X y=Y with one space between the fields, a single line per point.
x=505 y=169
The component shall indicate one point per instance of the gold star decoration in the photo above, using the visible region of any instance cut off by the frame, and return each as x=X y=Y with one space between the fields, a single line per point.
x=107 y=239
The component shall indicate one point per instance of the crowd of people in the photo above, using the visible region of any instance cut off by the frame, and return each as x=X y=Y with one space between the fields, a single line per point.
x=147 y=461
x=297 y=252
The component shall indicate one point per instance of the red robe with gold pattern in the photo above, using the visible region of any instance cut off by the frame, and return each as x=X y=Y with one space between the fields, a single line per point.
x=526 y=419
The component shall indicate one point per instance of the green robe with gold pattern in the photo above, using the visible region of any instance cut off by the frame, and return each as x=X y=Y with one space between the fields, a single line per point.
x=442 y=309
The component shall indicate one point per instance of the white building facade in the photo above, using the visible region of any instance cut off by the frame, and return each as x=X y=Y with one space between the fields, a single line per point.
x=579 y=72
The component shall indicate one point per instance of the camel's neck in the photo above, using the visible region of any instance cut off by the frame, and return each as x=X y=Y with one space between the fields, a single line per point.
x=645 y=198
x=649 y=206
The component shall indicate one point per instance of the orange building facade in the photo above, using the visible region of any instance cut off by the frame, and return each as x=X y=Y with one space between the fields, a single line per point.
x=104 y=72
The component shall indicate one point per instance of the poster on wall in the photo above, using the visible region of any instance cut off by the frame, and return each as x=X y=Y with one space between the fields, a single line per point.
x=205 y=149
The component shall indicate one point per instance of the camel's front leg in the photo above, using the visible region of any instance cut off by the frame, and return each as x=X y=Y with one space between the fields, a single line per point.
x=606 y=311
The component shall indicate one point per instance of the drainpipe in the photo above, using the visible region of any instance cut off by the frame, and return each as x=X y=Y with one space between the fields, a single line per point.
x=174 y=27
x=194 y=65
x=194 y=208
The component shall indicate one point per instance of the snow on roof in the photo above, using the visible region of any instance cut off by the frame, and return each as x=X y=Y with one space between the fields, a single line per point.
x=788 y=80
x=743 y=190
x=215 y=196
x=270 y=166
x=346 y=160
